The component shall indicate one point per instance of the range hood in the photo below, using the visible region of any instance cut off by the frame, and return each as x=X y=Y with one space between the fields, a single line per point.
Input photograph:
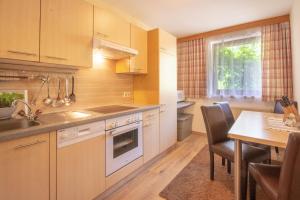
x=113 y=51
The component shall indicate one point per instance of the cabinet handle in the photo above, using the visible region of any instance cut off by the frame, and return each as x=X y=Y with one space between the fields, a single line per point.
x=22 y=53
x=84 y=131
x=102 y=34
x=30 y=144
x=56 y=58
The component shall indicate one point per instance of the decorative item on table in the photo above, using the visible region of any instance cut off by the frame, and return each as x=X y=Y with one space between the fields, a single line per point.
x=6 y=102
x=291 y=116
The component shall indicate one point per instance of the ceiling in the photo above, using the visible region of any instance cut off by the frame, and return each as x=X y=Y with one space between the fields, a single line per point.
x=186 y=17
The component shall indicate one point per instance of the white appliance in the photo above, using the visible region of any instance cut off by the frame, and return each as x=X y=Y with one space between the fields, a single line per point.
x=114 y=51
x=69 y=136
x=80 y=161
x=124 y=141
x=180 y=96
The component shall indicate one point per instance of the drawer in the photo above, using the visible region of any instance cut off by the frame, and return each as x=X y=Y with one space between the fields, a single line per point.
x=150 y=114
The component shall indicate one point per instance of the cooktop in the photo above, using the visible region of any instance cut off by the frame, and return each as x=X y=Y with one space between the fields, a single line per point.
x=111 y=109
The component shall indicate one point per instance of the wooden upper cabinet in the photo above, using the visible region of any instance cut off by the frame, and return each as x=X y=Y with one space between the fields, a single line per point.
x=24 y=168
x=136 y=64
x=111 y=27
x=66 y=32
x=19 y=29
x=139 y=42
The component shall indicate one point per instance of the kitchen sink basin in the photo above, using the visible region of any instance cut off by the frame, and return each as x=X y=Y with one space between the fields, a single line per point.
x=13 y=124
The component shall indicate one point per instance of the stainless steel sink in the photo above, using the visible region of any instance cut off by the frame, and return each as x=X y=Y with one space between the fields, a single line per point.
x=13 y=124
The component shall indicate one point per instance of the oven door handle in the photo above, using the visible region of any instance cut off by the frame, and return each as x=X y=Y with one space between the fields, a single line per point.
x=115 y=132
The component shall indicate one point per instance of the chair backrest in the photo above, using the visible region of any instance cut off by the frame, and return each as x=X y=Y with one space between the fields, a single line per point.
x=289 y=182
x=215 y=124
x=227 y=111
x=278 y=107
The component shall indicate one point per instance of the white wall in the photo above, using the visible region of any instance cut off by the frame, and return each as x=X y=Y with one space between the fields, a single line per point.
x=295 y=24
x=236 y=105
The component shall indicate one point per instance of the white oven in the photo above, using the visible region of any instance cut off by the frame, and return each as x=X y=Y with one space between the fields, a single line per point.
x=124 y=141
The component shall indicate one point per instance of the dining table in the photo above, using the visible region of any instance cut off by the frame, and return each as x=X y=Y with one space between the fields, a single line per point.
x=257 y=127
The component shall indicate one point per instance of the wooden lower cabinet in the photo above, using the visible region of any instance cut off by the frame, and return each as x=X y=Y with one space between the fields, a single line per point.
x=24 y=168
x=81 y=170
x=151 y=134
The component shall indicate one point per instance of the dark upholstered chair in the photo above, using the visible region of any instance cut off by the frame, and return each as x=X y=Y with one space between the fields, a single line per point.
x=230 y=121
x=279 y=110
x=279 y=183
x=217 y=129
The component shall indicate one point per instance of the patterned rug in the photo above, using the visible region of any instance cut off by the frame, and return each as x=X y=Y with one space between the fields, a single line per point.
x=193 y=182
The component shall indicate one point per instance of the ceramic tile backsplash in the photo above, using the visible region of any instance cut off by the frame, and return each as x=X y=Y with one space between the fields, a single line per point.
x=95 y=86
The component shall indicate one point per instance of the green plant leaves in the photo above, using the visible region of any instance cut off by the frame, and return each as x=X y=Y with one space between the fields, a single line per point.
x=6 y=98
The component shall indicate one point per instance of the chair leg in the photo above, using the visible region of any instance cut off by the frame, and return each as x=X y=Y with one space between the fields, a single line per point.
x=244 y=180
x=212 y=165
x=277 y=150
x=228 y=166
x=223 y=161
x=252 y=187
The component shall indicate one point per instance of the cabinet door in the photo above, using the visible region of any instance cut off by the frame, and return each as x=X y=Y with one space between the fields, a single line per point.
x=168 y=94
x=139 y=42
x=81 y=169
x=19 y=29
x=151 y=134
x=66 y=32
x=111 y=27
x=24 y=168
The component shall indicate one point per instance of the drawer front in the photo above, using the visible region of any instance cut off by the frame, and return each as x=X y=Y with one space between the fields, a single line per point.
x=150 y=114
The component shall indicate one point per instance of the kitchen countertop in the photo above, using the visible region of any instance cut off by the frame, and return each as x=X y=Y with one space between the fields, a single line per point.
x=61 y=120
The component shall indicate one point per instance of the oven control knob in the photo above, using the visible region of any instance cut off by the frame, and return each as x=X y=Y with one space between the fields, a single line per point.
x=128 y=121
x=116 y=124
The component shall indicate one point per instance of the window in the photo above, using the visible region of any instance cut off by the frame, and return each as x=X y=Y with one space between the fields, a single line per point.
x=235 y=66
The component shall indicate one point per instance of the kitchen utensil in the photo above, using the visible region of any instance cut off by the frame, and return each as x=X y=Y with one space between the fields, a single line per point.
x=48 y=100
x=44 y=80
x=58 y=101
x=67 y=97
x=72 y=96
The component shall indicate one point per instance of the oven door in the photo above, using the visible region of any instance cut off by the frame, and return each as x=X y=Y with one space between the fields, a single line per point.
x=123 y=145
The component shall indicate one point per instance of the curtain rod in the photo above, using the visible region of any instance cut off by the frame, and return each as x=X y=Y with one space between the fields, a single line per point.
x=254 y=24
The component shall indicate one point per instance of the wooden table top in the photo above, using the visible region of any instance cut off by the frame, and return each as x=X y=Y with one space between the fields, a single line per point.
x=253 y=127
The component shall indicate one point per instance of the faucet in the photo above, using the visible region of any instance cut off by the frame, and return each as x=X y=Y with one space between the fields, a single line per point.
x=30 y=115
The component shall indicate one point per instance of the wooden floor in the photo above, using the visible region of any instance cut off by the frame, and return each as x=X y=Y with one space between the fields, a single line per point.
x=148 y=184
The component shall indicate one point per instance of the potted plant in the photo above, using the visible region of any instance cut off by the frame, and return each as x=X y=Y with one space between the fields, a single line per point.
x=6 y=100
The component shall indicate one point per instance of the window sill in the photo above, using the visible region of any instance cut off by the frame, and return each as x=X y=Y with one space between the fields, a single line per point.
x=251 y=104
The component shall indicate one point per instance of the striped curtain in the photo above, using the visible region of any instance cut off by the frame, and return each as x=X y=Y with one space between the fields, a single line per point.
x=192 y=75
x=276 y=62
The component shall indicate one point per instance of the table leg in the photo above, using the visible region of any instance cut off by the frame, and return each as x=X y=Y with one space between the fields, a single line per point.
x=237 y=168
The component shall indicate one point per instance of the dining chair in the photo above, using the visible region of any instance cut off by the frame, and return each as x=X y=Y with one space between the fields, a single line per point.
x=218 y=142
x=230 y=121
x=279 y=110
x=279 y=182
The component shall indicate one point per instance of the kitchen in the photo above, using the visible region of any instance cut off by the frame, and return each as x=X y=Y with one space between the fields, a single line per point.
x=94 y=103
x=119 y=100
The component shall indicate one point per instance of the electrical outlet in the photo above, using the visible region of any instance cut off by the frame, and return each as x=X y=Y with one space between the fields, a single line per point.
x=126 y=94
